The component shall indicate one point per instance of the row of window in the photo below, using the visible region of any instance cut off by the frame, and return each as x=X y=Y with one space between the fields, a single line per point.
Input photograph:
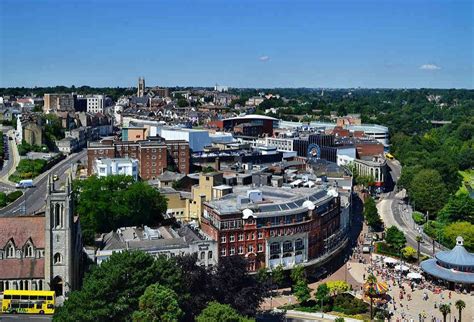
x=28 y=251
x=241 y=236
x=240 y=250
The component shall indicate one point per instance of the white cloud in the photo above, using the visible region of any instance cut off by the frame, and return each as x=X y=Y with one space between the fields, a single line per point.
x=429 y=67
x=264 y=58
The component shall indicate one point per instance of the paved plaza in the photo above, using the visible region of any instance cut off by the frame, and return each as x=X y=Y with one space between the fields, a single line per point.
x=408 y=308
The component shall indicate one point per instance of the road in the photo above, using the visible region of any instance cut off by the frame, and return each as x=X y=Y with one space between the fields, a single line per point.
x=34 y=198
x=9 y=164
x=395 y=212
x=25 y=317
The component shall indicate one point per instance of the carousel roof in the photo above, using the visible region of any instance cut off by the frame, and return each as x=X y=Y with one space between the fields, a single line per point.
x=431 y=267
x=458 y=256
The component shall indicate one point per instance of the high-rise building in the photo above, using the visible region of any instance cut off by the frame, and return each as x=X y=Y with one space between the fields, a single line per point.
x=141 y=87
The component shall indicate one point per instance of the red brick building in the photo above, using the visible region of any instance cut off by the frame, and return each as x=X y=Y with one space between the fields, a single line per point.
x=154 y=156
x=273 y=226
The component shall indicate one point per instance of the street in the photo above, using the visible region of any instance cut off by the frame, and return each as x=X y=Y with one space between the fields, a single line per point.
x=34 y=198
x=25 y=317
x=395 y=212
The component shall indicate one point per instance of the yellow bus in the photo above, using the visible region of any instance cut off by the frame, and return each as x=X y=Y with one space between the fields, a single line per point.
x=28 y=302
x=389 y=156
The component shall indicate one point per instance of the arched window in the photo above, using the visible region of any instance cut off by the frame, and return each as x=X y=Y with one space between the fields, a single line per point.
x=29 y=251
x=203 y=255
x=57 y=258
x=209 y=255
x=10 y=250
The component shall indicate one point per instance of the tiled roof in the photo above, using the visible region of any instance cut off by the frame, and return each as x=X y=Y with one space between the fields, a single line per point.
x=22 y=268
x=21 y=229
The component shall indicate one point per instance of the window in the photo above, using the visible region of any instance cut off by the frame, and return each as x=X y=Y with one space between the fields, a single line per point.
x=250 y=248
x=57 y=258
x=29 y=251
x=223 y=252
x=232 y=238
x=209 y=255
x=10 y=251
x=260 y=248
x=223 y=239
x=275 y=248
x=203 y=255
x=260 y=234
x=241 y=236
x=232 y=251
x=241 y=249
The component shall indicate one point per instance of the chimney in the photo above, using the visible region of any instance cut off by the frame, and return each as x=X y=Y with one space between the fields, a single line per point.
x=217 y=165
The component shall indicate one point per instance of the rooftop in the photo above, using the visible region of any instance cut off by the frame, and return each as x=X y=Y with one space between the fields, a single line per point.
x=282 y=200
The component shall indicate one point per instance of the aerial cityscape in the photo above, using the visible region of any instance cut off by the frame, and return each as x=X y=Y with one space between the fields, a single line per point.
x=237 y=161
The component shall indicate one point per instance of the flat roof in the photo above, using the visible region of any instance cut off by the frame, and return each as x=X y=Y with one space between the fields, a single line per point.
x=252 y=116
x=281 y=200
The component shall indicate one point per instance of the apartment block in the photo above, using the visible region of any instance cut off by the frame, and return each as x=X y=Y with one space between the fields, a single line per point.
x=154 y=156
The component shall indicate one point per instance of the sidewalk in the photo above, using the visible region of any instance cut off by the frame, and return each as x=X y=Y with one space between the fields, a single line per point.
x=13 y=162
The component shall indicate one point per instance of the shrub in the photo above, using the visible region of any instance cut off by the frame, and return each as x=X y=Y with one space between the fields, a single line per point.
x=12 y=196
x=418 y=218
x=347 y=304
x=3 y=199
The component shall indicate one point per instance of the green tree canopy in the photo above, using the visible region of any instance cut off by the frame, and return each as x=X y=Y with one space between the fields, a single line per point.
x=459 y=207
x=216 y=312
x=107 y=203
x=460 y=228
x=111 y=291
x=158 y=303
x=428 y=190
x=395 y=238
x=371 y=213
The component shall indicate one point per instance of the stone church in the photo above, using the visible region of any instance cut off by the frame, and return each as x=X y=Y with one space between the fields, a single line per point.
x=43 y=252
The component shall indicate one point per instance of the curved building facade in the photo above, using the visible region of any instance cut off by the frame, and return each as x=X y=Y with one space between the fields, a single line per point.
x=274 y=226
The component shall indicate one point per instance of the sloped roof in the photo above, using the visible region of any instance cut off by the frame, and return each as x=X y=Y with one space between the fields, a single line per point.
x=431 y=267
x=457 y=256
x=21 y=229
x=22 y=268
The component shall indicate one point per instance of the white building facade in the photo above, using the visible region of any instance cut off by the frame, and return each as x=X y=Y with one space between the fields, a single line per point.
x=116 y=166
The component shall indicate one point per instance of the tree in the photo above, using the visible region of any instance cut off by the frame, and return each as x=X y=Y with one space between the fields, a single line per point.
x=459 y=207
x=337 y=287
x=409 y=252
x=158 y=303
x=395 y=238
x=107 y=203
x=371 y=292
x=111 y=291
x=182 y=102
x=322 y=294
x=278 y=275
x=298 y=274
x=371 y=214
x=460 y=305
x=231 y=284
x=217 y=312
x=302 y=291
x=445 y=309
x=428 y=190
x=339 y=320
x=460 y=228
x=418 y=241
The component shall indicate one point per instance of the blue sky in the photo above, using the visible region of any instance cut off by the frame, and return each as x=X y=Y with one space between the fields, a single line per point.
x=328 y=43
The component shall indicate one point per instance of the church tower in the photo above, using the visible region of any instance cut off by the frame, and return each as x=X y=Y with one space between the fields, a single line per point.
x=141 y=87
x=60 y=239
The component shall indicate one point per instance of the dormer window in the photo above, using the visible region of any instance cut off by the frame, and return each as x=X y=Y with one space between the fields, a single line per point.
x=10 y=250
x=29 y=252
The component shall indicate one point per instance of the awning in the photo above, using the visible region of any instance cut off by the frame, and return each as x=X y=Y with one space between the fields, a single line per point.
x=402 y=268
x=414 y=276
x=390 y=260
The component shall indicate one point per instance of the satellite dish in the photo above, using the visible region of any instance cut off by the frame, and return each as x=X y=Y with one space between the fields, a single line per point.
x=247 y=213
x=309 y=204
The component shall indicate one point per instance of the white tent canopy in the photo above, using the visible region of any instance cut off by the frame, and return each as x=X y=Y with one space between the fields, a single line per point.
x=414 y=276
x=402 y=268
x=390 y=260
